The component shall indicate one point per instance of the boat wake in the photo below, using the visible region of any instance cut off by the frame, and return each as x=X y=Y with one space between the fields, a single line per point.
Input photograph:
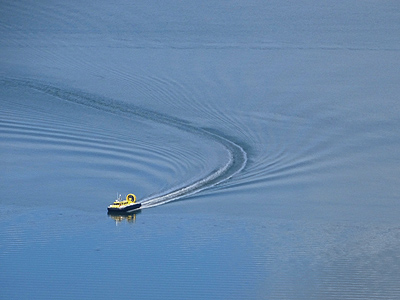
x=237 y=157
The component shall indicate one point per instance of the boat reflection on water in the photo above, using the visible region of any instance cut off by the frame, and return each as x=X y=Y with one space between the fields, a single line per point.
x=120 y=217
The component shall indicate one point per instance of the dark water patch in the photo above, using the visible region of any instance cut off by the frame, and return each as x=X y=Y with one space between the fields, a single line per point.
x=264 y=256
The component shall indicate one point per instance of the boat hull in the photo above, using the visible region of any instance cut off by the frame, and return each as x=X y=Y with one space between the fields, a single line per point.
x=124 y=209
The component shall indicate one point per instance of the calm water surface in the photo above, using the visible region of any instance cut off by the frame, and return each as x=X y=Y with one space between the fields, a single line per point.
x=262 y=138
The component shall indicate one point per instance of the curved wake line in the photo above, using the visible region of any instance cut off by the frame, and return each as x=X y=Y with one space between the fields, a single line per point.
x=237 y=156
x=236 y=163
x=187 y=190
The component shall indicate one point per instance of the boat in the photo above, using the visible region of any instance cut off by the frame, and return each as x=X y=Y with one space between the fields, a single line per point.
x=123 y=206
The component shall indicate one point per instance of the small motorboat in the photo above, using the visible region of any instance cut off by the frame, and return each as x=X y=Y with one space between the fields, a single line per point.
x=123 y=206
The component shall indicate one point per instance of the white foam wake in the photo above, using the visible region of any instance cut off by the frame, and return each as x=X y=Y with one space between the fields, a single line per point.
x=193 y=188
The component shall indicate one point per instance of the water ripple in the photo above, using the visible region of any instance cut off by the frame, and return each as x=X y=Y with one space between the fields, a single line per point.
x=236 y=156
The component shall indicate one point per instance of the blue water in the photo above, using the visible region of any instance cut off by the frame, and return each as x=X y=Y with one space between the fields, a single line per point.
x=261 y=137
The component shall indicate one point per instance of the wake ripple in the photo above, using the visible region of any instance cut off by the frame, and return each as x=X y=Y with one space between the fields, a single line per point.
x=237 y=157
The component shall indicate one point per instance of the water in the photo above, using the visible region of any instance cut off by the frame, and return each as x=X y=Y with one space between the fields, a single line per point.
x=261 y=137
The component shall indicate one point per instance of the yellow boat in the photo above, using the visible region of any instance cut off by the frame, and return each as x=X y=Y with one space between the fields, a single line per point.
x=122 y=206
